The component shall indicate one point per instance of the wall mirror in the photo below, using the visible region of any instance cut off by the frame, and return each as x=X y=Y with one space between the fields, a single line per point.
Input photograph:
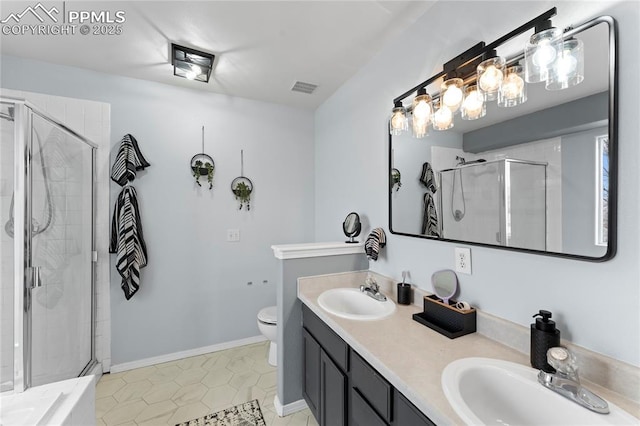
x=538 y=177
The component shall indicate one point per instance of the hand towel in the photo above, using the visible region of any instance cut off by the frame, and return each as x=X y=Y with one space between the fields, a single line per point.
x=128 y=160
x=375 y=241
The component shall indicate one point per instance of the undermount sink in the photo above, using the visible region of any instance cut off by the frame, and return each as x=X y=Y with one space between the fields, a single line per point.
x=495 y=392
x=353 y=304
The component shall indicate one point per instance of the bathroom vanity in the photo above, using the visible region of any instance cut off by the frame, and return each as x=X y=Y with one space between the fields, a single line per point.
x=341 y=388
x=388 y=371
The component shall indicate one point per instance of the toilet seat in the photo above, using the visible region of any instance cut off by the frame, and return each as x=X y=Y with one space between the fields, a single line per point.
x=268 y=315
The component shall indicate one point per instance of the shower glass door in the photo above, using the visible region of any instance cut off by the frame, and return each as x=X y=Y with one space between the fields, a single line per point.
x=6 y=247
x=60 y=253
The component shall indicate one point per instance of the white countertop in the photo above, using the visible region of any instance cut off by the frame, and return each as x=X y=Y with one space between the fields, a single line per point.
x=408 y=354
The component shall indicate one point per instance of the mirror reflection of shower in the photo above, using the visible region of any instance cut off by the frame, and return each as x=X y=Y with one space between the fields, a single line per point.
x=36 y=227
x=458 y=214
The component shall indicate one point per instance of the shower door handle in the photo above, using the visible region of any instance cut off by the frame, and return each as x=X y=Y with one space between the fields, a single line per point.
x=36 y=278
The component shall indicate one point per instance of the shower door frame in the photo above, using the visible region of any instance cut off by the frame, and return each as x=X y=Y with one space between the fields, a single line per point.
x=504 y=198
x=23 y=272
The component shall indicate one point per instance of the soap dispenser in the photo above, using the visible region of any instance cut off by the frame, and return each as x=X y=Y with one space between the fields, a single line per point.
x=544 y=336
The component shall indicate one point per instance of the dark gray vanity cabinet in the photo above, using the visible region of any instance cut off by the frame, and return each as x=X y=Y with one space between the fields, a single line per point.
x=341 y=388
x=325 y=371
x=407 y=414
x=311 y=387
x=370 y=388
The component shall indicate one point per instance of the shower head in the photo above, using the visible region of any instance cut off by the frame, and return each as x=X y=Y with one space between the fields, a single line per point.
x=479 y=160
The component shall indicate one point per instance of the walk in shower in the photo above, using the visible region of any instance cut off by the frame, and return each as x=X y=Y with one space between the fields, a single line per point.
x=499 y=202
x=46 y=249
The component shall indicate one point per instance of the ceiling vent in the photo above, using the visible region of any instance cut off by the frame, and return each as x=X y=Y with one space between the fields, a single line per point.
x=302 y=87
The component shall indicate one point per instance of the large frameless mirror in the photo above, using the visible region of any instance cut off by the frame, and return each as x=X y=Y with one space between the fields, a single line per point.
x=537 y=176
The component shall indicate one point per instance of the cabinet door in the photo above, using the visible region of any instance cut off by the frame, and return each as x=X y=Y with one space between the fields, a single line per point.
x=362 y=414
x=408 y=414
x=333 y=393
x=311 y=386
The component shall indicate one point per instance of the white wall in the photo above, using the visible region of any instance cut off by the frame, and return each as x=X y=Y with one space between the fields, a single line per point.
x=194 y=291
x=596 y=304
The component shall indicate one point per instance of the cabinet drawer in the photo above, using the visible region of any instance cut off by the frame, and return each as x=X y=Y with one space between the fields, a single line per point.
x=371 y=385
x=332 y=344
x=405 y=413
x=361 y=413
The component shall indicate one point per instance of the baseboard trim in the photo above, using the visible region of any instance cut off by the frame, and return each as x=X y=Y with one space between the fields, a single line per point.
x=146 y=362
x=285 y=410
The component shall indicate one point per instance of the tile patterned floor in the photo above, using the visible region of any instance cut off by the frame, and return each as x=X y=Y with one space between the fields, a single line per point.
x=177 y=391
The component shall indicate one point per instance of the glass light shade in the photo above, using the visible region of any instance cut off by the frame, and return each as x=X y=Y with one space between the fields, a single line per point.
x=419 y=128
x=451 y=94
x=473 y=106
x=540 y=54
x=398 y=122
x=568 y=69
x=513 y=90
x=422 y=107
x=490 y=75
x=442 y=117
x=421 y=115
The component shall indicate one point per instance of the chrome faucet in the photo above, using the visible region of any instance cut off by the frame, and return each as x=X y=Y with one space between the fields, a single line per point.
x=566 y=382
x=371 y=289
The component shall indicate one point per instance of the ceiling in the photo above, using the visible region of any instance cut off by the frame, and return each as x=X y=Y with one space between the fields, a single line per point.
x=262 y=47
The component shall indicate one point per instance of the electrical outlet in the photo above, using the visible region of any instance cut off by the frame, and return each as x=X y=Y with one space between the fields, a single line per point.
x=233 y=235
x=463 y=260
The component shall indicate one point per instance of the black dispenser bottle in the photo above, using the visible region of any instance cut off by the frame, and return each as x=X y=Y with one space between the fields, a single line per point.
x=544 y=335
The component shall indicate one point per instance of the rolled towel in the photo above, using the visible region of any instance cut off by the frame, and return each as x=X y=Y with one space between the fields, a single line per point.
x=375 y=241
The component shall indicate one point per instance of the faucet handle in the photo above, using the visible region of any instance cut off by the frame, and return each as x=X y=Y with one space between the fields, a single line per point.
x=371 y=283
x=563 y=361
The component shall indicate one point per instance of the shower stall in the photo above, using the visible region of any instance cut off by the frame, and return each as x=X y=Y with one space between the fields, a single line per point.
x=46 y=249
x=499 y=202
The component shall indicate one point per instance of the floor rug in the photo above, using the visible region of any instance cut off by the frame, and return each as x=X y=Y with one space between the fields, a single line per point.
x=247 y=414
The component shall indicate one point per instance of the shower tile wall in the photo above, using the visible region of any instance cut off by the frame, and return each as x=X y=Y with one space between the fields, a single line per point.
x=91 y=119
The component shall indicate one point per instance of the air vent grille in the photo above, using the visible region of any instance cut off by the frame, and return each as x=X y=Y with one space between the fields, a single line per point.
x=303 y=87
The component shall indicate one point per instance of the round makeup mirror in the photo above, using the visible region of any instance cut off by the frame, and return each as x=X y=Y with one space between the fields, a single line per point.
x=351 y=227
x=445 y=284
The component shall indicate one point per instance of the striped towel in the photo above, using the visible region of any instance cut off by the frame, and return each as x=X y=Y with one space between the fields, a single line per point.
x=429 y=211
x=375 y=241
x=128 y=160
x=127 y=240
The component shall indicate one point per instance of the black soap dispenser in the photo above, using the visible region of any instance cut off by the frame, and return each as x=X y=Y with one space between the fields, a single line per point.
x=544 y=336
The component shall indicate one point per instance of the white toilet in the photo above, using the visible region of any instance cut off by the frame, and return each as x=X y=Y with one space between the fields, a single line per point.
x=268 y=325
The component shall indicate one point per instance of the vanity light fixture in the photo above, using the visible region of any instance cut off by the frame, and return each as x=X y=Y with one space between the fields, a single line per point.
x=569 y=67
x=473 y=106
x=490 y=76
x=513 y=90
x=421 y=114
x=452 y=96
x=541 y=51
x=478 y=75
x=398 y=122
x=191 y=64
x=442 y=117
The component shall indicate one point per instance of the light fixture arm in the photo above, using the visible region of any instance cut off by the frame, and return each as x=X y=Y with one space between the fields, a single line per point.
x=479 y=50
